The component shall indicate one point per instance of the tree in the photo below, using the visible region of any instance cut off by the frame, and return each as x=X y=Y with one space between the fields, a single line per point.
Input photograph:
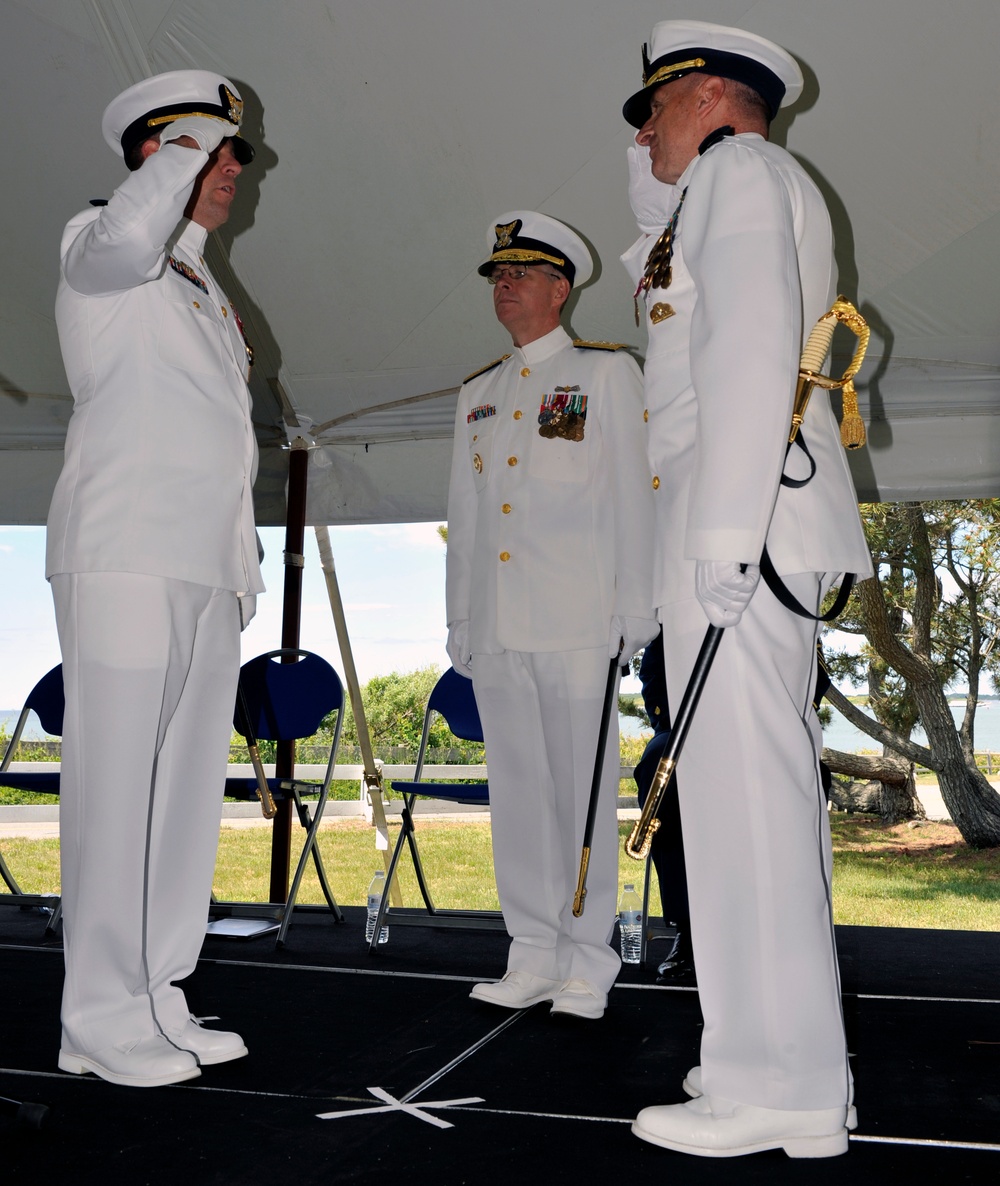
x=923 y=632
x=394 y=709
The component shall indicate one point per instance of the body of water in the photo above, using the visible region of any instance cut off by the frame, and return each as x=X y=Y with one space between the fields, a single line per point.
x=841 y=734
x=33 y=730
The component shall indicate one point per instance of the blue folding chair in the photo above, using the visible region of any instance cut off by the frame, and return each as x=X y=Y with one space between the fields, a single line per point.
x=454 y=700
x=46 y=700
x=286 y=702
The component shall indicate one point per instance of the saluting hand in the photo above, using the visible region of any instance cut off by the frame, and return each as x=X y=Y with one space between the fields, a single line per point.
x=206 y=131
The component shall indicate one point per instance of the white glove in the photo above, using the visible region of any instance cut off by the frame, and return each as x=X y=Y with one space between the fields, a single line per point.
x=457 y=647
x=208 y=131
x=723 y=590
x=652 y=201
x=633 y=634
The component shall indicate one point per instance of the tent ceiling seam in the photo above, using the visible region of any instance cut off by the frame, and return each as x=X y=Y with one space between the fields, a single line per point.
x=116 y=28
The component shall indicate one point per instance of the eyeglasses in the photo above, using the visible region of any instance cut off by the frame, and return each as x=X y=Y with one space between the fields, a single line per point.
x=516 y=272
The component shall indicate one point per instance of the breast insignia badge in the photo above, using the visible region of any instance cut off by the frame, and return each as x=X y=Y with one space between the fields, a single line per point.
x=660 y=312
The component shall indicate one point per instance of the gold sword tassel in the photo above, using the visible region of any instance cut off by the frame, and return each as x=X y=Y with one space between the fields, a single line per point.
x=852 y=427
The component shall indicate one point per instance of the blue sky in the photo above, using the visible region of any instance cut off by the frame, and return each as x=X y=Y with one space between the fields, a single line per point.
x=391 y=580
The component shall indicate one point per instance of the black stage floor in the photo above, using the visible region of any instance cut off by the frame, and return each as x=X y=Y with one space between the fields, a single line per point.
x=363 y=1070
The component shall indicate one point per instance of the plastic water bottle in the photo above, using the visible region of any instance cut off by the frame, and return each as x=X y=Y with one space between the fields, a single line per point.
x=375 y=891
x=630 y=924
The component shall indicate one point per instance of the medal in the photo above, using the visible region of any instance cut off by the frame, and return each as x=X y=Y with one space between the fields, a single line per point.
x=658 y=272
x=563 y=414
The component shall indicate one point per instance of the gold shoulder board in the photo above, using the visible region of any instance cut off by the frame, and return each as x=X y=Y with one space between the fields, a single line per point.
x=582 y=344
x=489 y=367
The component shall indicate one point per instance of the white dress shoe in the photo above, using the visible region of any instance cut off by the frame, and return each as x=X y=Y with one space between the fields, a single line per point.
x=517 y=990
x=579 y=998
x=692 y=1085
x=144 y=1062
x=208 y=1046
x=712 y=1127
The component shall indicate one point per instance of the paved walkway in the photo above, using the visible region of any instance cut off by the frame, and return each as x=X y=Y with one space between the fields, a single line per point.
x=43 y=822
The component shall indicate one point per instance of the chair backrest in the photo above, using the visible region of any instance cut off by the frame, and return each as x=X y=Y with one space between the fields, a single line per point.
x=286 y=701
x=455 y=700
x=47 y=701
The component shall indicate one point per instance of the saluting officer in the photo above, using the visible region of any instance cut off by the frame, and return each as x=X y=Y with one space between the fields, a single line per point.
x=549 y=517
x=736 y=265
x=152 y=558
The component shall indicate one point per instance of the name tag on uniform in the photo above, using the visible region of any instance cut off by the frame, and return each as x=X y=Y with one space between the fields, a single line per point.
x=563 y=414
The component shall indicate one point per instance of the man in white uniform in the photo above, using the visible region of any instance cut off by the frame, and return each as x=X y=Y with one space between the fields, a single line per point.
x=549 y=518
x=153 y=564
x=736 y=266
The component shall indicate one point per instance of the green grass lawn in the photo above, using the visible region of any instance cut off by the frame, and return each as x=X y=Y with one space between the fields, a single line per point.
x=885 y=877
x=912 y=877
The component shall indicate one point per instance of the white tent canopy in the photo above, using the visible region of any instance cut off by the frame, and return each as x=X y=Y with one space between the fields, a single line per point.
x=388 y=137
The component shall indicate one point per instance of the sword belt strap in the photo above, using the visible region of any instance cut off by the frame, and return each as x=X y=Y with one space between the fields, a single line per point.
x=770 y=575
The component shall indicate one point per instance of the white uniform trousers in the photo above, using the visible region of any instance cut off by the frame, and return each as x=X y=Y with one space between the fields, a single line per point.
x=541 y=712
x=150 y=667
x=758 y=856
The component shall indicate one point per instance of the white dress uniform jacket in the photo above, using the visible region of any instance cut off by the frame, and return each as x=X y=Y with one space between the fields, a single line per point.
x=752 y=271
x=721 y=370
x=548 y=538
x=160 y=451
x=150 y=542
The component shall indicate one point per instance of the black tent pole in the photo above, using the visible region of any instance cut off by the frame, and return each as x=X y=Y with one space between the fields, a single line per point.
x=291 y=616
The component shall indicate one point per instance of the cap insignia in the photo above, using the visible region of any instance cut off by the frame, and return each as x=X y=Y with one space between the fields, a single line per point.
x=235 y=105
x=505 y=233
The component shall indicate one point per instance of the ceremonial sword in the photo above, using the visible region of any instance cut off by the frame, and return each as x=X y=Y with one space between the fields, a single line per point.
x=595 y=786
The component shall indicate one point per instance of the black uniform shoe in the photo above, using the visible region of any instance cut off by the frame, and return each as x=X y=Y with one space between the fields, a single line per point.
x=678 y=967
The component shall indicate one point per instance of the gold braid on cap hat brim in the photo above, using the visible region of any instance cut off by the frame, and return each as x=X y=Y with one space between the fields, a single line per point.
x=665 y=73
x=518 y=255
x=169 y=119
